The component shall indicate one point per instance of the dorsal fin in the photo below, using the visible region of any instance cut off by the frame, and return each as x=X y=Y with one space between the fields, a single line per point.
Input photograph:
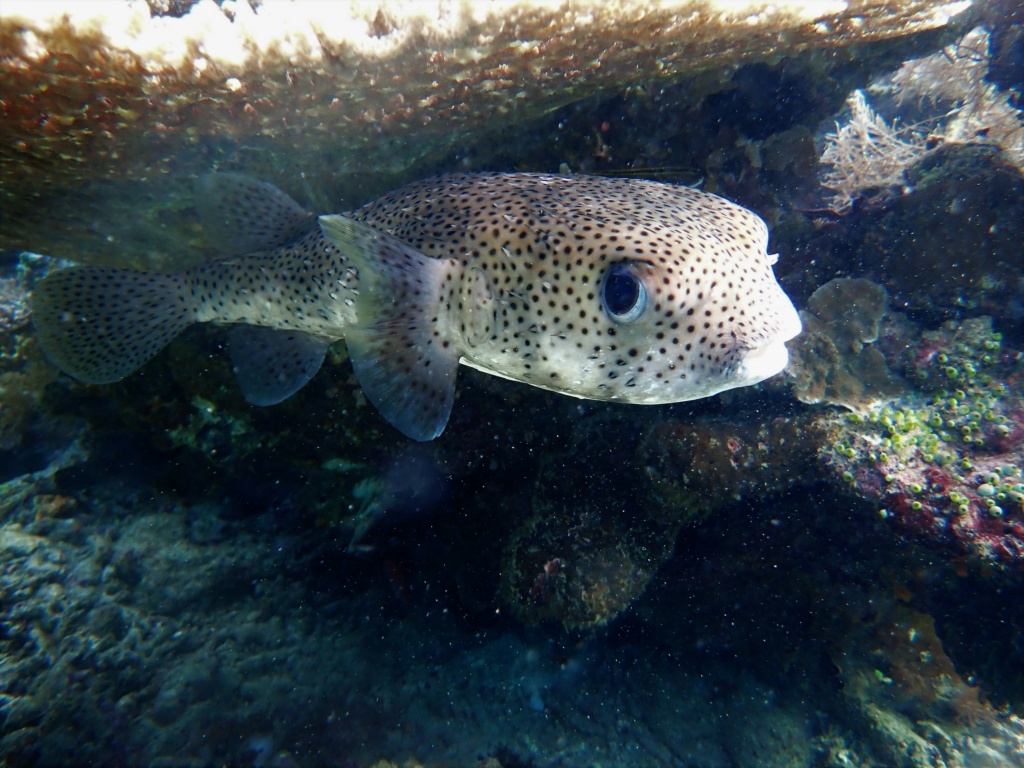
x=243 y=215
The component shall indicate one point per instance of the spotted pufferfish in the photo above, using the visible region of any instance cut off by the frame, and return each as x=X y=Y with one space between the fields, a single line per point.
x=607 y=289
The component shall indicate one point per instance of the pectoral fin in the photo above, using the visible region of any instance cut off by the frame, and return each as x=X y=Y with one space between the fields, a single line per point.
x=400 y=349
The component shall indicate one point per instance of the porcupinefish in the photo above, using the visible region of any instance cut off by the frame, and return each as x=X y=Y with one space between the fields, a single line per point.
x=607 y=289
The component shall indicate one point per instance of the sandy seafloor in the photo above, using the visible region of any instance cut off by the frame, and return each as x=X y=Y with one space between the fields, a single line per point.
x=186 y=580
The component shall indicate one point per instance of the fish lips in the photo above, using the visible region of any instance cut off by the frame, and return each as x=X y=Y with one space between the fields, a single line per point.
x=770 y=358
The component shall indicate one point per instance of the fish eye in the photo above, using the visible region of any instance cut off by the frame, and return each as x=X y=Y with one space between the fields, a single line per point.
x=623 y=294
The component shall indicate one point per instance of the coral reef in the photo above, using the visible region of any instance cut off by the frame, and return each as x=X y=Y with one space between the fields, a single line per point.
x=19 y=271
x=943 y=461
x=24 y=374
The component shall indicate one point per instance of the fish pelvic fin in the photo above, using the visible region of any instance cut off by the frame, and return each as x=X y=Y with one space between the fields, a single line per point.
x=241 y=214
x=100 y=324
x=401 y=347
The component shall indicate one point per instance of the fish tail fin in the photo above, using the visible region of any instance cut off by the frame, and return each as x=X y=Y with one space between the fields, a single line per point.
x=405 y=362
x=100 y=324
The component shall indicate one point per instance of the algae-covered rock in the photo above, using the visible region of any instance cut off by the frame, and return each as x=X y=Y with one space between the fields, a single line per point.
x=944 y=461
x=109 y=112
x=699 y=467
x=593 y=540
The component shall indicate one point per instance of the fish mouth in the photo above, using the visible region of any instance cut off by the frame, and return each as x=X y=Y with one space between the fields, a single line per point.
x=790 y=325
x=763 y=362
x=769 y=359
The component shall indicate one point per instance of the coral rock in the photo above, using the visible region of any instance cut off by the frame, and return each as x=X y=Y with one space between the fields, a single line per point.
x=833 y=361
x=122 y=108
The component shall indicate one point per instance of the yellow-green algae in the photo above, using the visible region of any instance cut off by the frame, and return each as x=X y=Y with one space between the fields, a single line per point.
x=942 y=448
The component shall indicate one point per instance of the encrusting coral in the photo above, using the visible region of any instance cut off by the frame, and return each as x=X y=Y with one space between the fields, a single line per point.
x=834 y=360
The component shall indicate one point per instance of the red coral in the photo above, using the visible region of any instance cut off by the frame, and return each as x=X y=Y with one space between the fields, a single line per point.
x=920 y=520
x=939 y=479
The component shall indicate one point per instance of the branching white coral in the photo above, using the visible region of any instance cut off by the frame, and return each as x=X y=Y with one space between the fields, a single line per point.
x=980 y=111
x=867 y=153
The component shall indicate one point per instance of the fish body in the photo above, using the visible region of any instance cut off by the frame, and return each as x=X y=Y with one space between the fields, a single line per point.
x=607 y=289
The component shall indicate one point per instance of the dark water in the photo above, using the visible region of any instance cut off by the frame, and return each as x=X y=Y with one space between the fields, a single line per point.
x=821 y=570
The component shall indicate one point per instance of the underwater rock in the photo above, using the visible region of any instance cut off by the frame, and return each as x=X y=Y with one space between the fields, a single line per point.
x=592 y=541
x=19 y=272
x=95 y=664
x=32 y=495
x=902 y=693
x=24 y=371
x=834 y=360
x=14 y=310
x=947 y=248
x=600 y=528
x=696 y=468
x=953 y=243
x=121 y=109
x=979 y=621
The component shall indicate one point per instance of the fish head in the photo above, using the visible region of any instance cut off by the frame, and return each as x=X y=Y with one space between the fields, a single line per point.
x=673 y=342
x=696 y=312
